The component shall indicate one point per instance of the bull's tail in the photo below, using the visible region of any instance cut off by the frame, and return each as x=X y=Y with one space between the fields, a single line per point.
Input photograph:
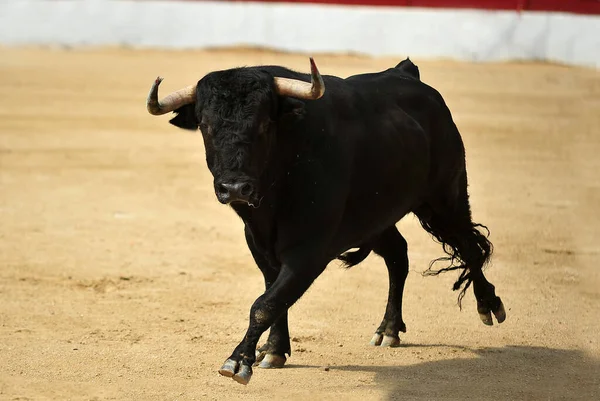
x=408 y=67
x=467 y=249
x=355 y=257
x=448 y=219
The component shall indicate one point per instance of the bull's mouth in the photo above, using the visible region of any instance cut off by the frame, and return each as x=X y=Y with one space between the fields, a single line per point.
x=252 y=201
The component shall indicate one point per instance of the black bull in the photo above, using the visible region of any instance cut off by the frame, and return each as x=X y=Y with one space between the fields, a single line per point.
x=315 y=175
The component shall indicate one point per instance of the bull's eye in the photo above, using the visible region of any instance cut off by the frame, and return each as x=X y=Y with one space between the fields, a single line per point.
x=263 y=129
x=262 y=135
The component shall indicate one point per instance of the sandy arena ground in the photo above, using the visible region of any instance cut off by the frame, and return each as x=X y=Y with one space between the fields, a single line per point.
x=123 y=278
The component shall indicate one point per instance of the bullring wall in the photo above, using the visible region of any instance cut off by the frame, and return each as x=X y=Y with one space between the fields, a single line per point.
x=497 y=30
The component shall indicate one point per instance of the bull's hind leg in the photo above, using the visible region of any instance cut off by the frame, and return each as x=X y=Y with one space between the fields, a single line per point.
x=394 y=250
x=447 y=216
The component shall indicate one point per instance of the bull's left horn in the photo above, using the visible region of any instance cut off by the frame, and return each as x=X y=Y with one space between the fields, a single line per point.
x=300 y=89
x=172 y=101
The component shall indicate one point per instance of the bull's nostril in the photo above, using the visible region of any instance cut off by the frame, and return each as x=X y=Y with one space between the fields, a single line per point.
x=222 y=189
x=246 y=190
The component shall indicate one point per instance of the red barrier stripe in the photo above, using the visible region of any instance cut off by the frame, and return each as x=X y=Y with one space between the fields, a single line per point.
x=571 y=6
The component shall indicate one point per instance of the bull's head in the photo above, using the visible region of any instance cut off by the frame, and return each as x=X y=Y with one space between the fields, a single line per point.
x=236 y=111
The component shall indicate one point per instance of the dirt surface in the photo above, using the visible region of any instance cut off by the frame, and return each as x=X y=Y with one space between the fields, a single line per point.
x=123 y=278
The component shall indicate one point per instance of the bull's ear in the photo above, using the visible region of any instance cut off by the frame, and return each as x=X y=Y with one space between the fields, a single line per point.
x=291 y=108
x=185 y=118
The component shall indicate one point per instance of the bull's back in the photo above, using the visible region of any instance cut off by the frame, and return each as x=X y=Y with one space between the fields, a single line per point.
x=414 y=110
x=390 y=147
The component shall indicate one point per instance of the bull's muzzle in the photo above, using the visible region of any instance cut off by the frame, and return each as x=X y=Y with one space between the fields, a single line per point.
x=235 y=191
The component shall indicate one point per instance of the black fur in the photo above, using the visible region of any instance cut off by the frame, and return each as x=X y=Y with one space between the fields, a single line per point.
x=410 y=68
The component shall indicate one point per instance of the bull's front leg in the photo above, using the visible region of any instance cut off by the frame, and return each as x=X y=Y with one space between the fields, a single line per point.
x=273 y=353
x=291 y=283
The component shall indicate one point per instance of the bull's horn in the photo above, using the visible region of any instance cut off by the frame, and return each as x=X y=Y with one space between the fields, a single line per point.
x=301 y=89
x=172 y=101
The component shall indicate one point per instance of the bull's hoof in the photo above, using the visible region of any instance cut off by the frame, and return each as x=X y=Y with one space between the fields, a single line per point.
x=390 y=341
x=270 y=361
x=486 y=318
x=485 y=310
x=243 y=375
x=500 y=313
x=381 y=340
x=376 y=339
x=239 y=372
x=229 y=368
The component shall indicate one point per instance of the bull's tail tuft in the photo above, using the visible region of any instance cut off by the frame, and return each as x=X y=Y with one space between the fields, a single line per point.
x=409 y=68
x=467 y=249
x=355 y=257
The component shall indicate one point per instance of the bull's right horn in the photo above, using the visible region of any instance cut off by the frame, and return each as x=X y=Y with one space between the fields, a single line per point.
x=300 y=89
x=172 y=101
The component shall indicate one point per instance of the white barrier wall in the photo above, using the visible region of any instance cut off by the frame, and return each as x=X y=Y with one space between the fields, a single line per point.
x=470 y=35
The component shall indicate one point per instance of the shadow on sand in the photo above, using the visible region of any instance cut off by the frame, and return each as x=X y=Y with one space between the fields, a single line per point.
x=509 y=373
